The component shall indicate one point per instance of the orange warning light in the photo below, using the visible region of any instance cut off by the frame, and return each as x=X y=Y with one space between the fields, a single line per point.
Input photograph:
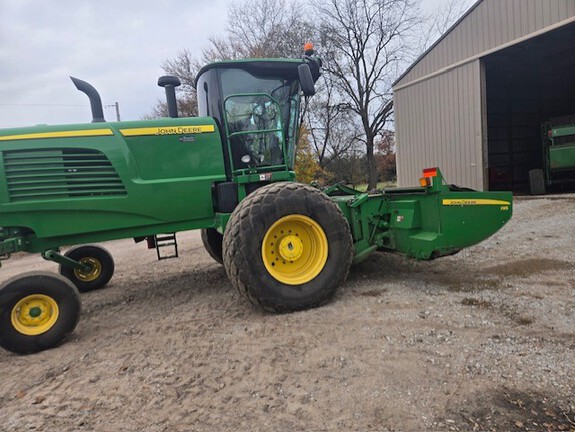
x=308 y=46
x=430 y=172
x=425 y=181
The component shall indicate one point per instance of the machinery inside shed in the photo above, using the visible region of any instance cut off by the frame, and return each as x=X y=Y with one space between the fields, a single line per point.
x=526 y=85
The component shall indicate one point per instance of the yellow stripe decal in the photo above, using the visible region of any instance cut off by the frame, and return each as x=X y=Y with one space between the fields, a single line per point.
x=59 y=134
x=473 y=202
x=168 y=130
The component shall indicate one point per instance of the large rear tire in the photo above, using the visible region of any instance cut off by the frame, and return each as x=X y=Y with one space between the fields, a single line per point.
x=287 y=247
x=212 y=241
x=101 y=266
x=37 y=311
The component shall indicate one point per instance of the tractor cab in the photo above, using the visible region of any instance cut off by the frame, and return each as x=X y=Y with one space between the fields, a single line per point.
x=256 y=105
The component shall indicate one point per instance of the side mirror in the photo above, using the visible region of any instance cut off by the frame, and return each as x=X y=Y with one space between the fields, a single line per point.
x=306 y=79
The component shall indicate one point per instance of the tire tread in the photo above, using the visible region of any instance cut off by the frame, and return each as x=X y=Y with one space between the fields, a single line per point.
x=246 y=218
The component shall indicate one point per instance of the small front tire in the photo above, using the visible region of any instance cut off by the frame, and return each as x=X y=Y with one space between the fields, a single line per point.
x=37 y=311
x=101 y=266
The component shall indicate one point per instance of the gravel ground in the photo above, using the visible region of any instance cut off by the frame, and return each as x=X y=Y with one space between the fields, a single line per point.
x=483 y=340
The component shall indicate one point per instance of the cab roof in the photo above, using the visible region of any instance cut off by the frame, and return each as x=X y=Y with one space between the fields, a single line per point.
x=259 y=67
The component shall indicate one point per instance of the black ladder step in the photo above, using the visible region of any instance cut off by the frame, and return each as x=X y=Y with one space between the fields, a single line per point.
x=164 y=241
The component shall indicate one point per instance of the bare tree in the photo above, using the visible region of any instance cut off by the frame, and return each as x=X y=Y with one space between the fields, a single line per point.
x=440 y=21
x=367 y=41
x=261 y=29
x=255 y=28
x=385 y=156
x=333 y=129
x=185 y=67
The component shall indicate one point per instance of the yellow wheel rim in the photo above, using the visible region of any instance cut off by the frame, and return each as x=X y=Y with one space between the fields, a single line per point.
x=294 y=249
x=92 y=274
x=35 y=314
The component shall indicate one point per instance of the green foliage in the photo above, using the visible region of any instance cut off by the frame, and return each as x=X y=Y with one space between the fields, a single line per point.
x=306 y=167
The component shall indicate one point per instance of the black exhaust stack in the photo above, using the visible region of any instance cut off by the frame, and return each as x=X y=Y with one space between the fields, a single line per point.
x=95 y=100
x=170 y=83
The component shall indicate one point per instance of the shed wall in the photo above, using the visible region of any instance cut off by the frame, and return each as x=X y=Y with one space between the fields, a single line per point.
x=490 y=24
x=439 y=123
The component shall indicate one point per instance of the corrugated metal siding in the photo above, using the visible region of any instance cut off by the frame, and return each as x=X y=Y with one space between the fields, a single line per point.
x=491 y=24
x=438 y=123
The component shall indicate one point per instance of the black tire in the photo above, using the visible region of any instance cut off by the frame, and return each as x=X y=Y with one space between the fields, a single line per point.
x=244 y=251
x=537 y=182
x=102 y=264
x=37 y=311
x=212 y=241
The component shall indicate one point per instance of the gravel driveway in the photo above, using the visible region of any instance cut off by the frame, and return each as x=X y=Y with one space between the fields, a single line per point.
x=483 y=340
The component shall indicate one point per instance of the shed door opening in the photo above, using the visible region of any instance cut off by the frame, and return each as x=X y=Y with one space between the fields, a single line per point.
x=526 y=85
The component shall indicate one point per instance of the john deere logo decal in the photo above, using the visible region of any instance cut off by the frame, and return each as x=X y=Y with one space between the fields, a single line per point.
x=474 y=202
x=168 y=130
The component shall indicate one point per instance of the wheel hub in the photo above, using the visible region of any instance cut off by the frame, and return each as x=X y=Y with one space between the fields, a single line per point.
x=35 y=314
x=94 y=269
x=291 y=248
x=295 y=249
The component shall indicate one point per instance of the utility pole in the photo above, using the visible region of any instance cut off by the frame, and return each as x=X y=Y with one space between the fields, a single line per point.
x=117 y=106
x=117 y=111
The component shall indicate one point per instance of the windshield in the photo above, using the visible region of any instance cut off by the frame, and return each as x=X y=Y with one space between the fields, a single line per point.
x=255 y=130
x=259 y=116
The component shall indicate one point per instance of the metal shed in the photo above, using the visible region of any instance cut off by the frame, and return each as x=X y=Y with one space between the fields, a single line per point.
x=474 y=102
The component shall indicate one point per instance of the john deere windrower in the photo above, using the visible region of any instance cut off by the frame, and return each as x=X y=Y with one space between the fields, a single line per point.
x=285 y=246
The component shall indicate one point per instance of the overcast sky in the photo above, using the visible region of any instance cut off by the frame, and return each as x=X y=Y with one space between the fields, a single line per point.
x=118 y=46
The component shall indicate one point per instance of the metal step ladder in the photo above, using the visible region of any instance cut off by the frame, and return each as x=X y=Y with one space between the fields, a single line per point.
x=164 y=241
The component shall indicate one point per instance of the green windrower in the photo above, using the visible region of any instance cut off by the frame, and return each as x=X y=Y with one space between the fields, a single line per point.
x=285 y=246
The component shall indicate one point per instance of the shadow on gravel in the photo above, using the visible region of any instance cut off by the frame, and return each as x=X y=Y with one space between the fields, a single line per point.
x=529 y=266
x=505 y=409
x=452 y=275
x=181 y=288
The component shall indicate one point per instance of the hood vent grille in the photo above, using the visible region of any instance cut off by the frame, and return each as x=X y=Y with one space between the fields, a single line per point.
x=52 y=174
